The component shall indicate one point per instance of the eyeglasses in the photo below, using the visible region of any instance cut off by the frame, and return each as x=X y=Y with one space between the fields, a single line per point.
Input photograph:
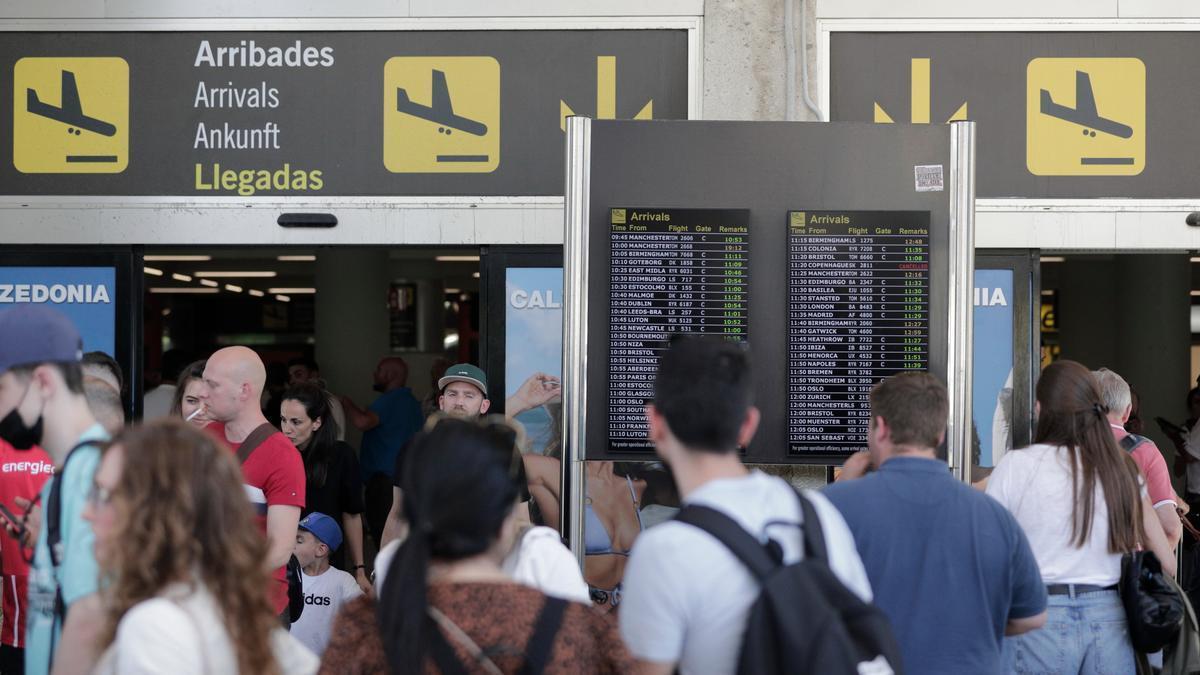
x=99 y=496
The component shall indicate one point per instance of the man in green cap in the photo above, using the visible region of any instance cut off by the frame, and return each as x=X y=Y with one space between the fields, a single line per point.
x=464 y=391
x=463 y=394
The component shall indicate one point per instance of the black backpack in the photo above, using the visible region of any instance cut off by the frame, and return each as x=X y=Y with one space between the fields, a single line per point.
x=804 y=620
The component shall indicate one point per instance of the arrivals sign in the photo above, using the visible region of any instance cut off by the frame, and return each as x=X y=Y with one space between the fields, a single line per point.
x=318 y=114
x=1060 y=114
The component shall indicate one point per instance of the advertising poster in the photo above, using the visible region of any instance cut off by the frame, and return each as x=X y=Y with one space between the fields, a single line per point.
x=992 y=404
x=85 y=294
x=533 y=358
x=622 y=498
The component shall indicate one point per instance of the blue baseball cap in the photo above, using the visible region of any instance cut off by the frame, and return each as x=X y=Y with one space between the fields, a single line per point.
x=32 y=334
x=324 y=528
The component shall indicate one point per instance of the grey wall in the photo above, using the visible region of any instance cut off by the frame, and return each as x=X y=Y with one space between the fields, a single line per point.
x=745 y=60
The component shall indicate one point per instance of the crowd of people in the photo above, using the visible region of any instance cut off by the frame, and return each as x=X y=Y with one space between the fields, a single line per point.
x=219 y=538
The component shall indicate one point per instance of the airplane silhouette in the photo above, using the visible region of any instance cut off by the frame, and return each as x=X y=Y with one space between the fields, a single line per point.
x=71 y=110
x=440 y=111
x=1084 y=113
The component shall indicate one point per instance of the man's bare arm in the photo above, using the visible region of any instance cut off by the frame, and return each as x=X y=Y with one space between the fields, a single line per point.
x=281 y=534
x=363 y=420
x=1018 y=626
x=395 y=527
x=1172 y=528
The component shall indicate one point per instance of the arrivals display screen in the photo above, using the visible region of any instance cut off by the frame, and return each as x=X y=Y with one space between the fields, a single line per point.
x=858 y=311
x=672 y=271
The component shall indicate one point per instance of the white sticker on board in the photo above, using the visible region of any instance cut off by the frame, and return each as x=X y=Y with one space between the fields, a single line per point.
x=928 y=178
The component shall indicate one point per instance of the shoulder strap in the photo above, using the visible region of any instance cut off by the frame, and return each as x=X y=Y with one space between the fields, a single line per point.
x=732 y=536
x=814 y=536
x=54 y=508
x=1131 y=441
x=442 y=653
x=256 y=438
x=541 y=643
x=54 y=539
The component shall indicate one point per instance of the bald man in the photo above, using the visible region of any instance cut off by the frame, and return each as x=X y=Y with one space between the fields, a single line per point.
x=234 y=378
x=387 y=425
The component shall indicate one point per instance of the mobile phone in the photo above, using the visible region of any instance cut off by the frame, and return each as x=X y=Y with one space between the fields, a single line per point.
x=1170 y=427
x=12 y=519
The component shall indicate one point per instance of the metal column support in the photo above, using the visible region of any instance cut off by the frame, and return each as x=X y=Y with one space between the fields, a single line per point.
x=574 y=368
x=959 y=376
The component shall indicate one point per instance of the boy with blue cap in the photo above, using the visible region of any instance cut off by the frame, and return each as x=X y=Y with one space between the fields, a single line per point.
x=325 y=588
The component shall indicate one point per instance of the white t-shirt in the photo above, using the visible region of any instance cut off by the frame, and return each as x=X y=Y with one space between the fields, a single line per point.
x=324 y=595
x=685 y=598
x=541 y=561
x=182 y=632
x=1035 y=485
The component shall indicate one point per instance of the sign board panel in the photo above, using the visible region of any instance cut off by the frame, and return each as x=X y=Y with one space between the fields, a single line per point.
x=1060 y=114
x=318 y=113
x=866 y=216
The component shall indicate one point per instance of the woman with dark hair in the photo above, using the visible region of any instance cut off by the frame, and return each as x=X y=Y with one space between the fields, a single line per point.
x=333 y=479
x=187 y=403
x=446 y=602
x=182 y=562
x=1078 y=498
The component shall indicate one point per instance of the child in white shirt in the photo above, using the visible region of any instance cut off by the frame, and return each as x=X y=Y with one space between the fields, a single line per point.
x=325 y=587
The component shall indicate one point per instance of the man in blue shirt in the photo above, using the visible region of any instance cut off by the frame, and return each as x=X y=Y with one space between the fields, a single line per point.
x=42 y=402
x=949 y=565
x=386 y=425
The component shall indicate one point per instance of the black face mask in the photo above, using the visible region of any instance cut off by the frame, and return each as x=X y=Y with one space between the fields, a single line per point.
x=14 y=430
x=16 y=433
x=378 y=386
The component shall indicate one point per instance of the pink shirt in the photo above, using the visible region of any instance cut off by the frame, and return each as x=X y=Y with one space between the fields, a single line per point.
x=1153 y=467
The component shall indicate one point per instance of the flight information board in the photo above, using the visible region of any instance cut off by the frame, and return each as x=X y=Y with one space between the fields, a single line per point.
x=858 y=311
x=672 y=271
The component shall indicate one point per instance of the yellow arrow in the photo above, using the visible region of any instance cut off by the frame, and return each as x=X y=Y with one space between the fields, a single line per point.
x=606 y=95
x=921 y=97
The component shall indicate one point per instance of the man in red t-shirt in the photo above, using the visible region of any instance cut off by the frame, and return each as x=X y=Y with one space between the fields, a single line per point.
x=274 y=472
x=22 y=474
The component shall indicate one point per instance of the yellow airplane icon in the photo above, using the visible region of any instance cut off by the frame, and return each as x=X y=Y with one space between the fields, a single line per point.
x=92 y=108
x=1101 y=132
x=441 y=114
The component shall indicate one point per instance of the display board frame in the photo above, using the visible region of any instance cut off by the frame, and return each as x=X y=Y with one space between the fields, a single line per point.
x=770 y=169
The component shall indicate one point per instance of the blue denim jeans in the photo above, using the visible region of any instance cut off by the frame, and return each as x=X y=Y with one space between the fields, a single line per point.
x=1086 y=634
